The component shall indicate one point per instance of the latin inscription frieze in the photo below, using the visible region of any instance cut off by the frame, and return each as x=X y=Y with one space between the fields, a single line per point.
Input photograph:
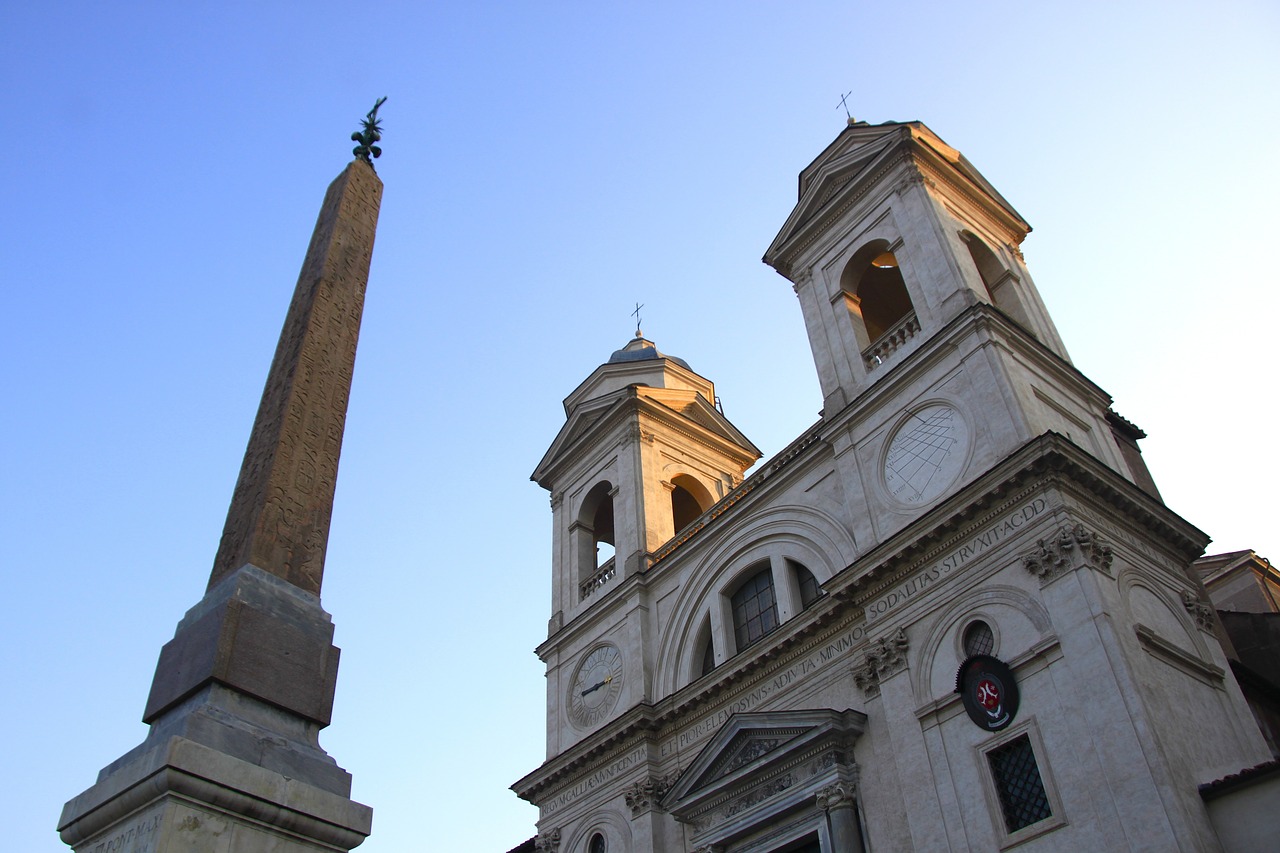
x=994 y=533
x=588 y=784
x=711 y=723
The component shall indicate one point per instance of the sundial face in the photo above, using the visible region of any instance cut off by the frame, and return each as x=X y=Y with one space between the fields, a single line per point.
x=926 y=454
x=596 y=686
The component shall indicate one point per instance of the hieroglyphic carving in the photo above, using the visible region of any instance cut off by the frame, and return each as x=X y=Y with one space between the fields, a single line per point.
x=283 y=500
x=1052 y=557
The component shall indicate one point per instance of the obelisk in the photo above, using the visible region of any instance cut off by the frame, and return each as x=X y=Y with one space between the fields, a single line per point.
x=232 y=761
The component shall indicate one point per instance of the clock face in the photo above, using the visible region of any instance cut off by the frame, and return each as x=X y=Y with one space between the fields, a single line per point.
x=596 y=686
x=925 y=454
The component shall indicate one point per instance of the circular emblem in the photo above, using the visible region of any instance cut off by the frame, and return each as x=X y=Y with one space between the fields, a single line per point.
x=596 y=686
x=989 y=692
x=925 y=454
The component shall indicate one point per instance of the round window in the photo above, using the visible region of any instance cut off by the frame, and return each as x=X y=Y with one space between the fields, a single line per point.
x=978 y=639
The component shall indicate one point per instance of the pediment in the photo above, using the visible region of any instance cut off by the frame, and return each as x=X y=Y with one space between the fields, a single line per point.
x=854 y=155
x=696 y=408
x=675 y=404
x=857 y=155
x=578 y=424
x=760 y=762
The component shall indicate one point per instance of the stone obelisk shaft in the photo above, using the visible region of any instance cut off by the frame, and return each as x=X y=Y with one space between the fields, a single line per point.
x=283 y=500
x=233 y=760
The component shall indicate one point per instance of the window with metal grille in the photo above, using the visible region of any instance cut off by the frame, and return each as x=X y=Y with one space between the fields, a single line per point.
x=1021 y=790
x=809 y=589
x=978 y=639
x=755 y=610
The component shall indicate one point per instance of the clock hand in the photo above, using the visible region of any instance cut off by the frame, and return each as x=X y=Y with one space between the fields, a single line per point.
x=597 y=685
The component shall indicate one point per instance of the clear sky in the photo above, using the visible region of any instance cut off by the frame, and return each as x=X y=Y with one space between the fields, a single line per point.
x=547 y=166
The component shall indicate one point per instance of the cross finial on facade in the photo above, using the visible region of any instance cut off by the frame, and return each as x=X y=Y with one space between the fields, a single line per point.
x=845 y=104
x=636 y=314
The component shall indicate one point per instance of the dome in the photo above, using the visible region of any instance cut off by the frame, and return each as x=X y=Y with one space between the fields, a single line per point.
x=640 y=349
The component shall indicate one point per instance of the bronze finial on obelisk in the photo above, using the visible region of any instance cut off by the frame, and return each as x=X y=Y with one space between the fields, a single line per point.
x=243 y=689
x=283 y=500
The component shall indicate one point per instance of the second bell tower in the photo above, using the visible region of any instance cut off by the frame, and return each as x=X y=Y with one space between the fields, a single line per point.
x=642 y=454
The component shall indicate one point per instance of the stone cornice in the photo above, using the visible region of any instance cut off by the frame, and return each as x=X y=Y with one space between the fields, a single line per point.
x=1046 y=461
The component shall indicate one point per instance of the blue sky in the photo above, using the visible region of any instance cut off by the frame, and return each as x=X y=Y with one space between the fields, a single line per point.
x=547 y=166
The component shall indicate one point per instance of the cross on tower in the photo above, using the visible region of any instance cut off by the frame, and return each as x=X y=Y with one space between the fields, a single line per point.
x=844 y=104
x=636 y=314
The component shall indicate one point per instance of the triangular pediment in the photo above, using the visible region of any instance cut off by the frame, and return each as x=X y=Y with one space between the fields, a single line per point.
x=697 y=409
x=674 y=405
x=578 y=424
x=853 y=156
x=751 y=749
x=856 y=157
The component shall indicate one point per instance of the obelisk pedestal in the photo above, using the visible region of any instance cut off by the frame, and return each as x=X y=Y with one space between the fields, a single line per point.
x=232 y=761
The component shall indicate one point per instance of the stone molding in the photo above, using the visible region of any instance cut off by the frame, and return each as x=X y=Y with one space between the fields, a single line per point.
x=1199 y=611
x=547 y=842
x=884 y=658
x=1052 y=557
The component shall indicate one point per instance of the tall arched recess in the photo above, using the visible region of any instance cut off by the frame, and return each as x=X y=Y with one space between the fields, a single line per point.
x=689 y=499
x=594 y=538
x=999 y=281
x=879 y=306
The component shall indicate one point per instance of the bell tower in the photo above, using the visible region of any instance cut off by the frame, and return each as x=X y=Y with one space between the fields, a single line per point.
x=642 y=454
x=935 y=354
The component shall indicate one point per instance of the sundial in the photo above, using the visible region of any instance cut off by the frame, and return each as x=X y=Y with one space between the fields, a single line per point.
x=925 y=454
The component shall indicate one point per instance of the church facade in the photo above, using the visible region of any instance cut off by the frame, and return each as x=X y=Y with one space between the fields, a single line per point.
x=954 y=614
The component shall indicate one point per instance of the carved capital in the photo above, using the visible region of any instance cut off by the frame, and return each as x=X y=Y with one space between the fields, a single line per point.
x=547 y=842
x=557 y=498
x=864 y=675
x=913 y=178
x=837 y=795
x=890 y=653
x=644 y=794
x=885 y=657
x=1053 y=557
x=1201 y=612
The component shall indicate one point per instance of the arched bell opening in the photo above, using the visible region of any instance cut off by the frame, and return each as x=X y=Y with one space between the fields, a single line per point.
x=999 y=282
x=880 y=307
x=689 y=499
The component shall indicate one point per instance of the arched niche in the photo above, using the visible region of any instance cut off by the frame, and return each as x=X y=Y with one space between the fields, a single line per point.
x=689 y=499
x=593 y=532
x=1000 y=283
x=875 y=293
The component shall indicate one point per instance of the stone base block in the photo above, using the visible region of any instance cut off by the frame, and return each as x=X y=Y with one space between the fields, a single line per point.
x=183 y=797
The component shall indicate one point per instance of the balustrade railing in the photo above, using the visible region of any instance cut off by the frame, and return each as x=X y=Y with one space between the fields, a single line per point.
x=599 y=579
x=891 y=341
